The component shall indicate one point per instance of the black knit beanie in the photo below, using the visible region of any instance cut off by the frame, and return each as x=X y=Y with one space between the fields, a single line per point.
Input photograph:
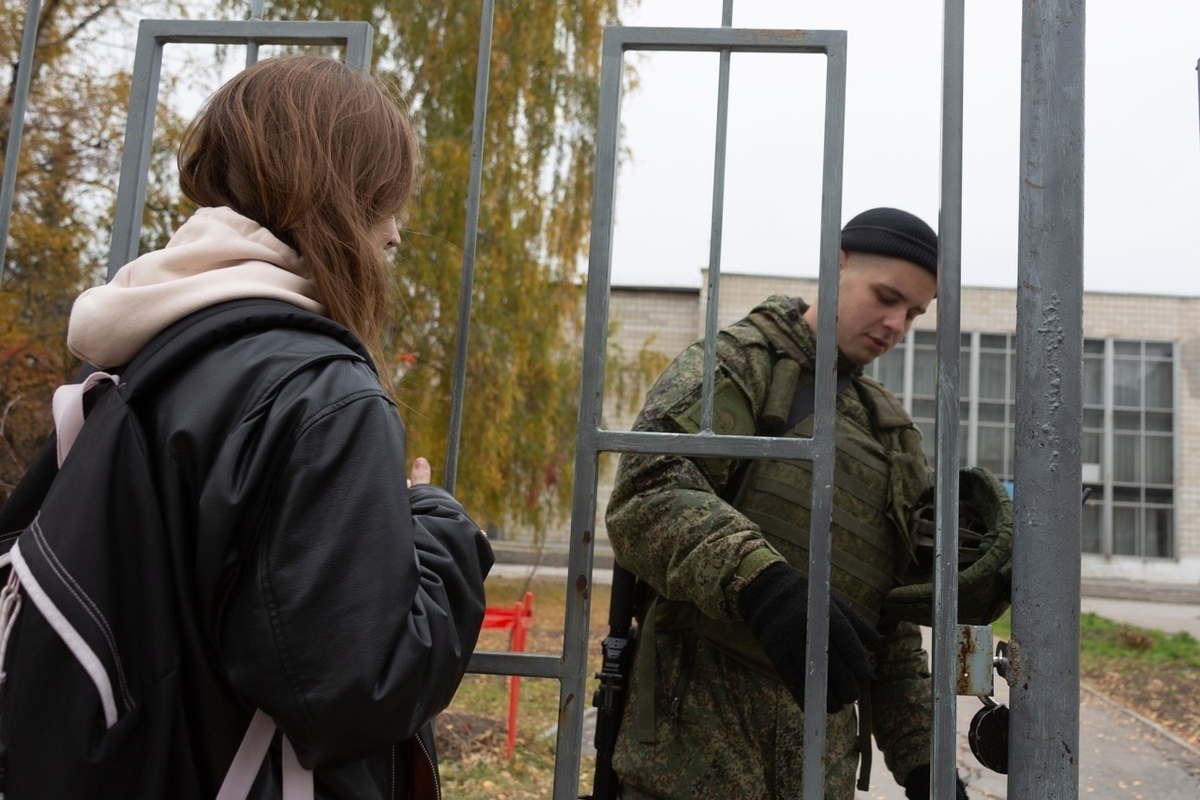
x=892 y=232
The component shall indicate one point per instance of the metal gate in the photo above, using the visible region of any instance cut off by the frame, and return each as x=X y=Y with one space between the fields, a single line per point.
x=1043 y=675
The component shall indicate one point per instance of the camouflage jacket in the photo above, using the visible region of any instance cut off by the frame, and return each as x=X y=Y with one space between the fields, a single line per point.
x=668 y=523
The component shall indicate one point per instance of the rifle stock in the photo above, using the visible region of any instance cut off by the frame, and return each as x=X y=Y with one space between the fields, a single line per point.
x=616 y=664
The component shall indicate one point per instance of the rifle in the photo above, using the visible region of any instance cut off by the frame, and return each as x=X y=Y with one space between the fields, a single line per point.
x=615 y=666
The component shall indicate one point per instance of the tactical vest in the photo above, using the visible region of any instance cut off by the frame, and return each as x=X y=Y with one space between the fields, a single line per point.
x=877 y=478
x=778 y=498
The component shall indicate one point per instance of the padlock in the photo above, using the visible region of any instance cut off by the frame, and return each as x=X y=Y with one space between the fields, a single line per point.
x=988 y=733
x=988 y=736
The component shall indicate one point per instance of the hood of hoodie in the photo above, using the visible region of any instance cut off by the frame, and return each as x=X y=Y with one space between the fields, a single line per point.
x=216 y=256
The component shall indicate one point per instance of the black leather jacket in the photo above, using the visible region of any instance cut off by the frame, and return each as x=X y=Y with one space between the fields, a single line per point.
x=324 y=592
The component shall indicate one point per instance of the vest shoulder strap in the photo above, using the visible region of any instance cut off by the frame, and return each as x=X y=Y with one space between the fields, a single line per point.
x=883 y=406
x=779 y=340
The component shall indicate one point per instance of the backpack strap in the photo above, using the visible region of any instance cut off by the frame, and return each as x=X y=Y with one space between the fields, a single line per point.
x=67 y=407
x=806 y=399
x=777 y=336
x=297 y=781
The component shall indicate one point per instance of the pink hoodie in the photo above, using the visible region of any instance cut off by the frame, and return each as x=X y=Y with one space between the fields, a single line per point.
x=216 y=256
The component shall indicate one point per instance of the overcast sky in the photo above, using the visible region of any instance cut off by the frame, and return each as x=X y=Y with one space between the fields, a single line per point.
x=1142 y=141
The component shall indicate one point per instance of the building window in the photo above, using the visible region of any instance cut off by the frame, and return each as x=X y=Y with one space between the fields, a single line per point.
x=910 y=372
x=1127 y=447
x=1136 y=467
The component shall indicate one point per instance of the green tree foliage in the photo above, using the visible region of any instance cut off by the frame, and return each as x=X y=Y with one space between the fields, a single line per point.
x=66 y=185
x=518 y=432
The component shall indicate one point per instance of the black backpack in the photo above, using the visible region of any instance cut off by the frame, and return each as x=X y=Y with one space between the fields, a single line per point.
x=89 y=636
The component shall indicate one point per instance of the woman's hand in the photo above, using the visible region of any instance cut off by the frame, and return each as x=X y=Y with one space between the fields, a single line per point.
x=421 y=472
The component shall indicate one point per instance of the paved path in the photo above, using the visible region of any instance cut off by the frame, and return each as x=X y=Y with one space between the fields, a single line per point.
x=1123 y=756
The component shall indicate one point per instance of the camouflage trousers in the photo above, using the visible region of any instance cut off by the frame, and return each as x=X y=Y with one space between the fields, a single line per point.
x=720 y=730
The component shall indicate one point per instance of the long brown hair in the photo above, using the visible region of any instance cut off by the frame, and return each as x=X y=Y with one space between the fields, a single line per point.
x=319 y=154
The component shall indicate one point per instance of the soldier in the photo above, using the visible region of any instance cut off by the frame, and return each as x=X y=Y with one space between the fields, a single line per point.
x=717 y=686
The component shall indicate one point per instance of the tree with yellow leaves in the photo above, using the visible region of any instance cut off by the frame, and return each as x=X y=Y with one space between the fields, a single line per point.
x=65 y=189
x=518 y=430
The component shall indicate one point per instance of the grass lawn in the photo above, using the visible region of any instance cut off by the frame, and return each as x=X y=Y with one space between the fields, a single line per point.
x=1155 y=674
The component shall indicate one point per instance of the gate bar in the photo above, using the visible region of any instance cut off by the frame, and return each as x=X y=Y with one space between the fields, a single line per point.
x=572 y=689
x=470 y=235
x=716 y=230
x=527 y=665
x=256 y=12
x=1043 y=673
x=820 y=547
x=16 y=125
x=945 y=618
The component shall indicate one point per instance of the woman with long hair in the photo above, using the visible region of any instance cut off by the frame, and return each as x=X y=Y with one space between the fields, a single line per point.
x=314 y=586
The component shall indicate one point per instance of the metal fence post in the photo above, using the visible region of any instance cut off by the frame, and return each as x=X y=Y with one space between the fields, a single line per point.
x=945 y=630
x=16 y=125
x=470 y=239
x=1044 y=671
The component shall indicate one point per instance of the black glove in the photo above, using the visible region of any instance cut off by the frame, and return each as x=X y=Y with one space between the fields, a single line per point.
x=775 y=606
x=917 y=787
